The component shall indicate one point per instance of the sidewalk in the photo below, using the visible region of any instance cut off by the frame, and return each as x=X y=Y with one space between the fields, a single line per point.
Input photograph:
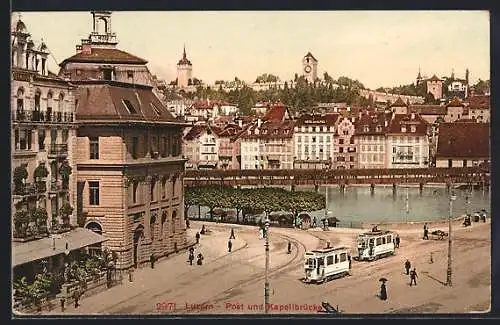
x=147 y=280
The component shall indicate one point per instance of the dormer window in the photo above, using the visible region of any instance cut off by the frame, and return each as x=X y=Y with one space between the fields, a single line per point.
x=128 y=105
x=155 y=109
x=413 y=128
x=403 y=128
x=366 y=128
x=276 y=131
x=286 y=131
x=379 y=128
x=264 y=131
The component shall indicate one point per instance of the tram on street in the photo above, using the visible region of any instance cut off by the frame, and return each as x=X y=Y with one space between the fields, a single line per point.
x=325 y=264
x=375 y=244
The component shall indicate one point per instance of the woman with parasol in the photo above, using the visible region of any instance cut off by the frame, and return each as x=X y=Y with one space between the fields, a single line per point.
x=383 y=290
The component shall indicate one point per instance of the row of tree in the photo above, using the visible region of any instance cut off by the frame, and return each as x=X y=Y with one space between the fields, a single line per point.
x=252 y=200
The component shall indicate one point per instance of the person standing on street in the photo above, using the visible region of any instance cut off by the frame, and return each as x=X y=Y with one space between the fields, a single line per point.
x=229 y=245
x=397 y=241
x=191 y=258
x=200 y=259
x=407 y=267
x=197 y=237
x=383 y=292
x=289 y=247
x=232 y=234
x=413 y=276
x=152 y=259
x=426 y=232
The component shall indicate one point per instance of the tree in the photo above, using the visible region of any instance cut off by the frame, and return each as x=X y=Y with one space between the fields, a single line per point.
x=482 y=87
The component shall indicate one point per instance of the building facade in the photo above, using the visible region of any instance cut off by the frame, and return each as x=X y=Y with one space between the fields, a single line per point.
x=313 y=141
x=130 y=170
x=310 y=67
x=435 y=87
x=370 y=139
x=42 y=141
x=344 y=147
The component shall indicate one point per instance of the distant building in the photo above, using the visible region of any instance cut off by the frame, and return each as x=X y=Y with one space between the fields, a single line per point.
x=479 y=108
x=370 y=139
x=310 y=67
x=184 y=71
x=313 y=141
x=463 y=144
x=344 y=148
x=434 y=85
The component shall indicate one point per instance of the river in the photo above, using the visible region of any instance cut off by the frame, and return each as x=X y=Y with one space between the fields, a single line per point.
x=357 y=204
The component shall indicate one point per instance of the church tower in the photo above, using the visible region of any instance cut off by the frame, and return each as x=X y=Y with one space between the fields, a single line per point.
x=419 y=77
x=101 y=35
x=184 y=71
x=310 y=67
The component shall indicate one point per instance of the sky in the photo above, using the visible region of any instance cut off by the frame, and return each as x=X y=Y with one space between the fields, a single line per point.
x=379 y=48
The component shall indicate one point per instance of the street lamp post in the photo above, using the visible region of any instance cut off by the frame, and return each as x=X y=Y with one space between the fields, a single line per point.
x=448 y=271
x=266 y=281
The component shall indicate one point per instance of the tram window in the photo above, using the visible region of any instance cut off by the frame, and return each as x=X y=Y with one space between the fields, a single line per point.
x=383 y=240
x=371 y=242
x=336 y=259
x=310 y=262
x=329 y=260
x=343 y=257
x=379 y=241
x=321 y=261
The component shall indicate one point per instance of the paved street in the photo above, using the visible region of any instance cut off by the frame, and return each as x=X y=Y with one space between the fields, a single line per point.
x=234 y=282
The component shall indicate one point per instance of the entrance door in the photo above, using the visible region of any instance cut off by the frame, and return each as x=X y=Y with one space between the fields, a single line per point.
x=137 y=237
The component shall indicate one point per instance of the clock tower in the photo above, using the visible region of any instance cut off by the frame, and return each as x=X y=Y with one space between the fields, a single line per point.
x=310 y=67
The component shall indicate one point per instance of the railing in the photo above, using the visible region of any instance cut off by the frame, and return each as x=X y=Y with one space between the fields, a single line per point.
x=42 y=116
x=58 y=149
x=30 y=189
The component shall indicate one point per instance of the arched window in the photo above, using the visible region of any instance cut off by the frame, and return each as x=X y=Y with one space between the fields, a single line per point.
x=38 y=95
x=163 y=187
x=102 y=26
x=49 y=100
x=174 y=179
x=95 y=227
x=60 y=107
x=20 y=99
x=152 y=223
x=153 y=187
x=163 y=219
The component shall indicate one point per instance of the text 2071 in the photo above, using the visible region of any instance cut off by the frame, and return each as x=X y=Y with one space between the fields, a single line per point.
x=166 y=305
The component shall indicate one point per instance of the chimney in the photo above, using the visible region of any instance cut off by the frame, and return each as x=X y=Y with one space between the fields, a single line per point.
x=259 y=123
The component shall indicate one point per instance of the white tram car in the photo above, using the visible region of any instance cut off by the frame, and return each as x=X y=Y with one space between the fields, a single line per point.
x=325 y=264
x=376 y=244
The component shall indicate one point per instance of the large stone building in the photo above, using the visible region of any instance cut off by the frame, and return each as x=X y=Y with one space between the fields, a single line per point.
x=434 y=86
x=313 y=139
x=42 y=139
x=130 y=170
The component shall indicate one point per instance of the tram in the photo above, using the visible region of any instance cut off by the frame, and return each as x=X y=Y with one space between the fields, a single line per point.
x=376 y=244
x=325 y=264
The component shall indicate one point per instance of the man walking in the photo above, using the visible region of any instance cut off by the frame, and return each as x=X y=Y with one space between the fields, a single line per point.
x=229 y=245
x=191 y=255
x=197 y=237
x=426 y=232
x=289 y=247
x=232 y=234
x=397 y=241
x=413 y=277
x=407 y=267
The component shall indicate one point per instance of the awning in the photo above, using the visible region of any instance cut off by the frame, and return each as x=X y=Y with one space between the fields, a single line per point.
x=42 y=248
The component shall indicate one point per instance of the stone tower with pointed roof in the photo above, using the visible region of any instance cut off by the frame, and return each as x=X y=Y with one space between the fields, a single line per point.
x=184 y=71
x=310 y=67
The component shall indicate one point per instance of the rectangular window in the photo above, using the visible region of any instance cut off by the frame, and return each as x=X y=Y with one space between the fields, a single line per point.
x=135 y=185
x=299 y=139
x=107 y=74
x=343 y=257
x=135 y=147
x=41 y=139
x=341 y=141
x=321 y=139
x=313 y=139
x=65 y=136
x=94 y=147
x=329 y=260
x=152 y=191
x=341 y=149
x=94 y=193
x=328 y=139
x=379 y=241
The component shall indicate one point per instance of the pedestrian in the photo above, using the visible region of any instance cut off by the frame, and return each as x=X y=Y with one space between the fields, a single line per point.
x=397 y=241
x=407 y=267
x=383 y=292
x=191 y=250
x=426 y=234
x=349 y=258
x=187 y=223
x=229 y=245
x=76 y=295
x=413 y=276
x=197 y=237
x=232 y=234
x=202 y=230
x=200 y=259
x=152 y=259
x=289 y=247
x=191 y=258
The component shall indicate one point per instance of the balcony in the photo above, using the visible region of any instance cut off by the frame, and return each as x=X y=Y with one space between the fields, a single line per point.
x=58 y=150
x=42 y=116
x=30 y=189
